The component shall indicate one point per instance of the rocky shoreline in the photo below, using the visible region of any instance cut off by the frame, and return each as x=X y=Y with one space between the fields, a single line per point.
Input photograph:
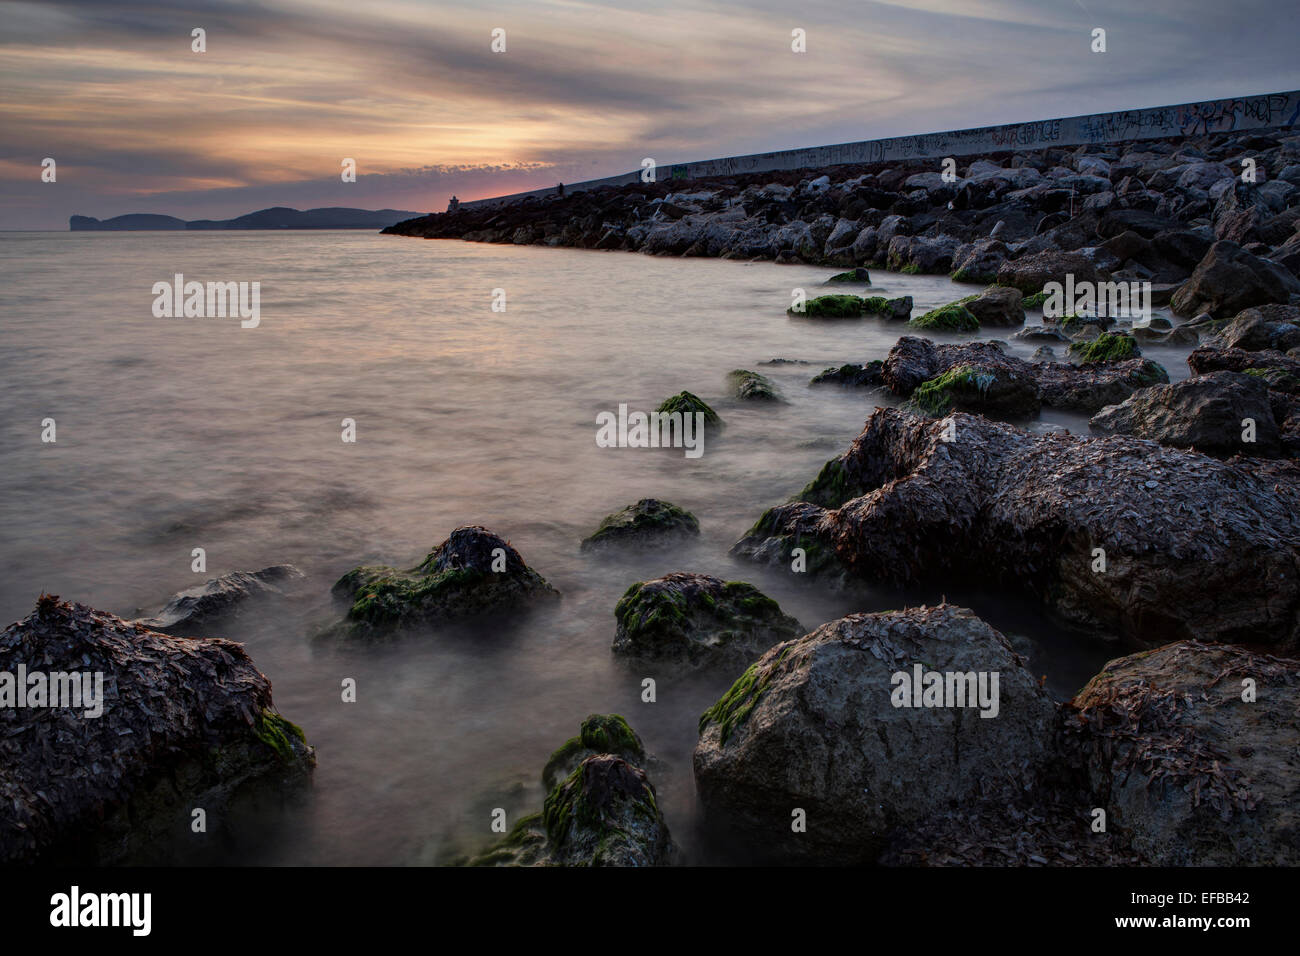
x=916 y=736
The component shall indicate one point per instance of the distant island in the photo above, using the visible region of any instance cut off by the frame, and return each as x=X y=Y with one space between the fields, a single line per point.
x=277 y=217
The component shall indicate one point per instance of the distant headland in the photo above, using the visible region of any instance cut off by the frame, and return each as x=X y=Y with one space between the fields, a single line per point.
x=277 y=217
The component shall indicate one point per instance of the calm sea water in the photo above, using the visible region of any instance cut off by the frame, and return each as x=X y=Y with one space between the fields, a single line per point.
x=182 y=433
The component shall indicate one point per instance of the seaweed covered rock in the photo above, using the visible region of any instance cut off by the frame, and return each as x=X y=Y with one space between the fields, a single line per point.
x=648 y=522
x=1107 y=347
x=798 y=535
x=852 y=376
x=697 y=619
x=1089 y=388
x=1190 y=547
x=834 y=306
x=751 y=387
x=828 y=724
x=896 y=310
x=1190 y=748
x=600 y=810
x=996 y=390
x=473 y=572
x=688 y=403
x=130 y=731
x=599 y=734
x=1207 y=412
x=954 y=317
x=196 y=610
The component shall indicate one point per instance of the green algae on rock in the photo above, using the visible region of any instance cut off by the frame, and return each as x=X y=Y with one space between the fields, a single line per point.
x=835 y=306
x=1108 y=347
x=649 y=521
x=859 y=275
x=600 y=810
x=600 y=734
x=751 y=387
x=985 y=389
x=697 y=619
x=688 y=403
x=473 y=572
x=182 y=720
x=954 y=317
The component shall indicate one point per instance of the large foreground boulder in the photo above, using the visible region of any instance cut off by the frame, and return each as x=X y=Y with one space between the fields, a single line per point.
x=1221 y=414
x=1117 y=535
x=697 y=619
x=473 y=572
x=197 y=610
x=122 y=732
x=830 y=725
x=600 y=810
x=1191 y=750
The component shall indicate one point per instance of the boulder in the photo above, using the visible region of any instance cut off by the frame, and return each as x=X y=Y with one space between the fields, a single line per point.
x=895 y=310
x=996 y=390
x=820 y=724
x=698 y=620
x=1186 y=768
x=997 y=305
x=599 y=734
x=473 y=572
x=1262 y=328
x=688 y=403
x=1205 y=412
x=1228 y=280
x=174 y=723
x=979 y=261
x=1192 y=547
x=751 y=387
x=648 y=522
x=196 y=610
x=852 y=376
x=1030 y=273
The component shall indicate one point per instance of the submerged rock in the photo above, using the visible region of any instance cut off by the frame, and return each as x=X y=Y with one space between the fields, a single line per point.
x=859 y=275
x=830 y=307
x=649 y=521
x=699 y=620
x=600 y=810
x=473 y=572
x=820 y=724
x=852 y=376
x=1191 y=547
x=688 y=403
x=954 y=317
x=181 y=723
x=1188 y=770
x=751 y=387
x=895 y=310
x=1206 y=412
x=195 y=610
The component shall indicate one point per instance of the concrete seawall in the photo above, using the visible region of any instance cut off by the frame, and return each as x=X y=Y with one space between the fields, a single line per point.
x=1186 y=119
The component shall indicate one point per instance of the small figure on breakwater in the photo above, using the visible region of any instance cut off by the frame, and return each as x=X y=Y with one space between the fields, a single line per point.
x=453 y=204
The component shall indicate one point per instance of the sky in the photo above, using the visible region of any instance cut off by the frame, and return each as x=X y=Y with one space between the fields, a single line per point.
x=137 y=121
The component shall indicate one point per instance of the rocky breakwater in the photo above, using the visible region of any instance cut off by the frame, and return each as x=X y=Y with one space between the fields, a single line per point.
x=124 y=732
x=1116 y=536
x=1149 y=210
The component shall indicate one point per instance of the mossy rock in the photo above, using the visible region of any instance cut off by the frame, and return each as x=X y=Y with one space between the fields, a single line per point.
x=752 y=387
x=735 y=706
x=1034 y=301
x=688 y=403
x=698 y=620
x=836 y=306
x=473 y=572
x=1107 y=347
x=605 y=813
x=832 y=487
x=977 y=388
x=600 y=734
x=648 y=522
x=954 y=317
x=898 y=309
